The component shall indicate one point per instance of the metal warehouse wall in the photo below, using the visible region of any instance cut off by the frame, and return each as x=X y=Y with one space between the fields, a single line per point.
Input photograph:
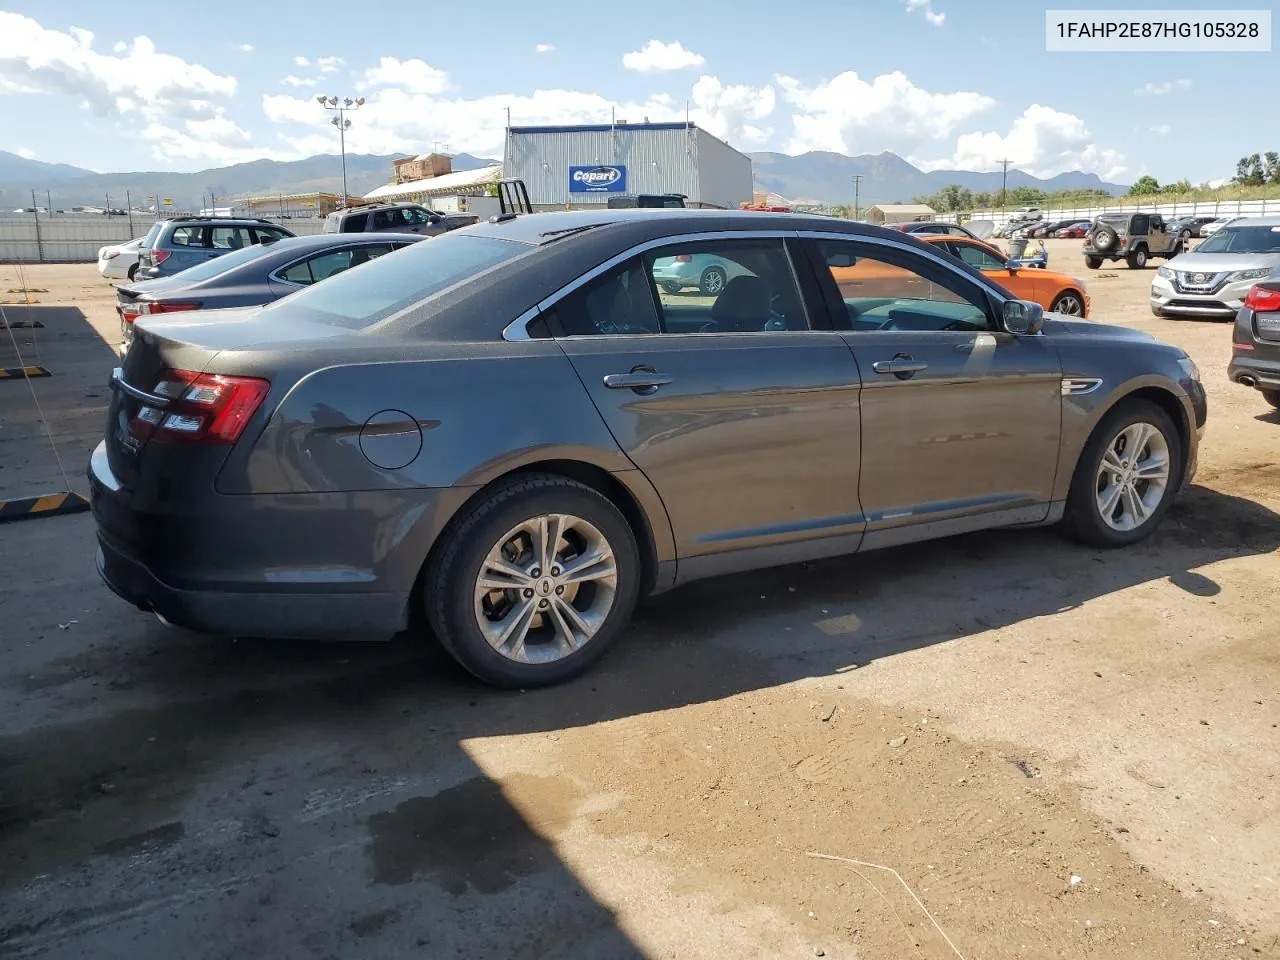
x=724 y=174
x=666 y=158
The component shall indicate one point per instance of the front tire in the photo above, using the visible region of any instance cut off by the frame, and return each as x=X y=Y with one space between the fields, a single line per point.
x=534 y=582
x=133 y=272
x=671 y=287
x=1137 y=259
x=1093 y=263
x=1068 y=303
x=1126 y=477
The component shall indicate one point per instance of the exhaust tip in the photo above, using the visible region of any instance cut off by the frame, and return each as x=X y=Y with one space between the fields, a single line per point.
x=1247 y=380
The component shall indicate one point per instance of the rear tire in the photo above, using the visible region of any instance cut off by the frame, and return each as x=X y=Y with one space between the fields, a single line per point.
x=1138 y=506
x=1093 y=263
x=534 y=652
x=133 y=272
x=1272 y=397
x=1137 y=259
x=671 y=287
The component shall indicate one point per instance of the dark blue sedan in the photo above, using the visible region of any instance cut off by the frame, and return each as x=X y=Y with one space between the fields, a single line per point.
x=252 y=276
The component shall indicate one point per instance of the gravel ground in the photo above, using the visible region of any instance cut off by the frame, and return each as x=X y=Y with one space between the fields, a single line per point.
x=1061 y=753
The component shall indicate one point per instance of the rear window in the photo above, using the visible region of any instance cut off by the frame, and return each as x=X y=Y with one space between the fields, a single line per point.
x=149 y=240
x=387 y=285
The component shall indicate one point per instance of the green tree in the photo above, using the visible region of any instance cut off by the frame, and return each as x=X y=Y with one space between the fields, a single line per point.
x=1272 y=170
x=1250 y=172
x=1144 y=187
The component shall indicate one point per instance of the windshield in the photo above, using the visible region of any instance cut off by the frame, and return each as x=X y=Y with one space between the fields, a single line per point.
x=223 y=263
x=1243 y=240
x=387 y=285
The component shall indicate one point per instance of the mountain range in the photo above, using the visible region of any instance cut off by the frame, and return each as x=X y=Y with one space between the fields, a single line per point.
x=816 y=176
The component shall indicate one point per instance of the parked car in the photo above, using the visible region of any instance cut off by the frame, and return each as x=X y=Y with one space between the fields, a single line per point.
x=251 y=276
x=395 y=218
x=173 y=245
x=325 y=466
x=1073 y=231
x=1255 y=342
x=1189 y=228
x=1212 y=281
x=1055 y=292
x=1045 y=229
x=1213 y=226
x=119 y=261
x=1132 y=237
x=920 y=227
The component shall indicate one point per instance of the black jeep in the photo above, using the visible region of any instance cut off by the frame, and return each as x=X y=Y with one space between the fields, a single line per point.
x=1132 y=237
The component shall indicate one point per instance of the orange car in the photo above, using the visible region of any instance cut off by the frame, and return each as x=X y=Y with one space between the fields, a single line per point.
x=877 y=279
x=1053 y=291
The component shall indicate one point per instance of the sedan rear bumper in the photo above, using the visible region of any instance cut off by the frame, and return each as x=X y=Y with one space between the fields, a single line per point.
x=299 y=616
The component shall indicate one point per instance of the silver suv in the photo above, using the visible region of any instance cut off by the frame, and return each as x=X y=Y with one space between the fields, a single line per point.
x=1214 y=280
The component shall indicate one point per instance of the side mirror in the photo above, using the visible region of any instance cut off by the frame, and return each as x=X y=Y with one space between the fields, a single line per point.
x=1012 y=267
x=1022 y=317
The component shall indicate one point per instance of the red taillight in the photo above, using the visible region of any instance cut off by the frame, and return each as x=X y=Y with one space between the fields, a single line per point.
x=159 y=256
x=1263 y=299
x=148 y=307
x=203 y=407
x=684 y=258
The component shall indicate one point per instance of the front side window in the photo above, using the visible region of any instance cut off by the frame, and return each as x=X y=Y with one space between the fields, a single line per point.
x=896 y=290
x=977 y=257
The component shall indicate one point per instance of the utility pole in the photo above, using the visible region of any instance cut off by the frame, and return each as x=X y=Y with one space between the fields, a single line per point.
x=343 y=124
x=1004 y=182
x=857 y=180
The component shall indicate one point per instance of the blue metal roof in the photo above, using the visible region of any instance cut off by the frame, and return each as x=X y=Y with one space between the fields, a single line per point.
x=605 y=127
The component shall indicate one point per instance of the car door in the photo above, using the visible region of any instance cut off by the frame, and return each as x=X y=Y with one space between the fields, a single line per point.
x=740 y=412
x=960 y=420
x=187 y=246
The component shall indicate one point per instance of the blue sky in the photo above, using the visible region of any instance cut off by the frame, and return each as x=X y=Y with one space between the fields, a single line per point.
x=945 y=83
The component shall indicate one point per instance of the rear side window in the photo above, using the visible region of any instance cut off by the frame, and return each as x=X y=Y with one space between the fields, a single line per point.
x=325 y=265
x=1140 y=223
x=187 y=237
x=355 y=223
x=359 y=298
x=230 y=238
x=267 y=234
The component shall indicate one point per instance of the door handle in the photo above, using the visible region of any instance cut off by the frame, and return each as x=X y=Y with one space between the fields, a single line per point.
x=641 y=381
x=899 y=366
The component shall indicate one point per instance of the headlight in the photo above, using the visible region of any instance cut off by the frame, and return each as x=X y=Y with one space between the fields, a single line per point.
x=1165 y=272
x=1249 y=275
x=1189 y=368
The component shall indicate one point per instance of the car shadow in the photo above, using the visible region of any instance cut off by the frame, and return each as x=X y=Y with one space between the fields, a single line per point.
x=349 y=761
x=74 y=398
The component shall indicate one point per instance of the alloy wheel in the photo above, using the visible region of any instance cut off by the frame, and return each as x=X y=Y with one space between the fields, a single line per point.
x=545 y=588
x=1069 y=305
x=1133 y=476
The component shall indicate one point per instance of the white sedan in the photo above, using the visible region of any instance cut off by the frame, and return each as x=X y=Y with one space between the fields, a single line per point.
x=119 y=262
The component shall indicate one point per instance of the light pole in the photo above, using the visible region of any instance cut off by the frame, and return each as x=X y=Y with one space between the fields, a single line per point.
x=342 y=107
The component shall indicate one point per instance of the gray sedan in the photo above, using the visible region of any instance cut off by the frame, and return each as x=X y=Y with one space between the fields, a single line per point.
x=251 y=276
x=508 y=434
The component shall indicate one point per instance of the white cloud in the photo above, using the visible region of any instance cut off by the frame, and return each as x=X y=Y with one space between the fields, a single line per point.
x=926 y=7
x=120 y=46
x=849 y=115
x=301 y=62
x=407 y=116
x=1161 y=129
x=292 y=81
x=543 y=48
x=245 y=48
x=34 y=59
x=1042 y=141
x=1215 y=184
x=656 y=55
x=1167 y=86
x=414 y=76
x=329 y=64
x=26 y=153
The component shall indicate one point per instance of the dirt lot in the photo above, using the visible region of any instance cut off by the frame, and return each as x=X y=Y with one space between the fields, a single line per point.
x=1062 y=753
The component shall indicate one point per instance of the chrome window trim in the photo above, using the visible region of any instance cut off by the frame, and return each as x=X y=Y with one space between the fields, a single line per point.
x=370 y=242
x=517 y=330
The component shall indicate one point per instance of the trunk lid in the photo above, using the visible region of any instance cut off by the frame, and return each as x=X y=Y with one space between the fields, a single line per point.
x=190 y=342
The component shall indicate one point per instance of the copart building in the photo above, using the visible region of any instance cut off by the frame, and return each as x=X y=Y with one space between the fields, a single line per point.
x=584 y=166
